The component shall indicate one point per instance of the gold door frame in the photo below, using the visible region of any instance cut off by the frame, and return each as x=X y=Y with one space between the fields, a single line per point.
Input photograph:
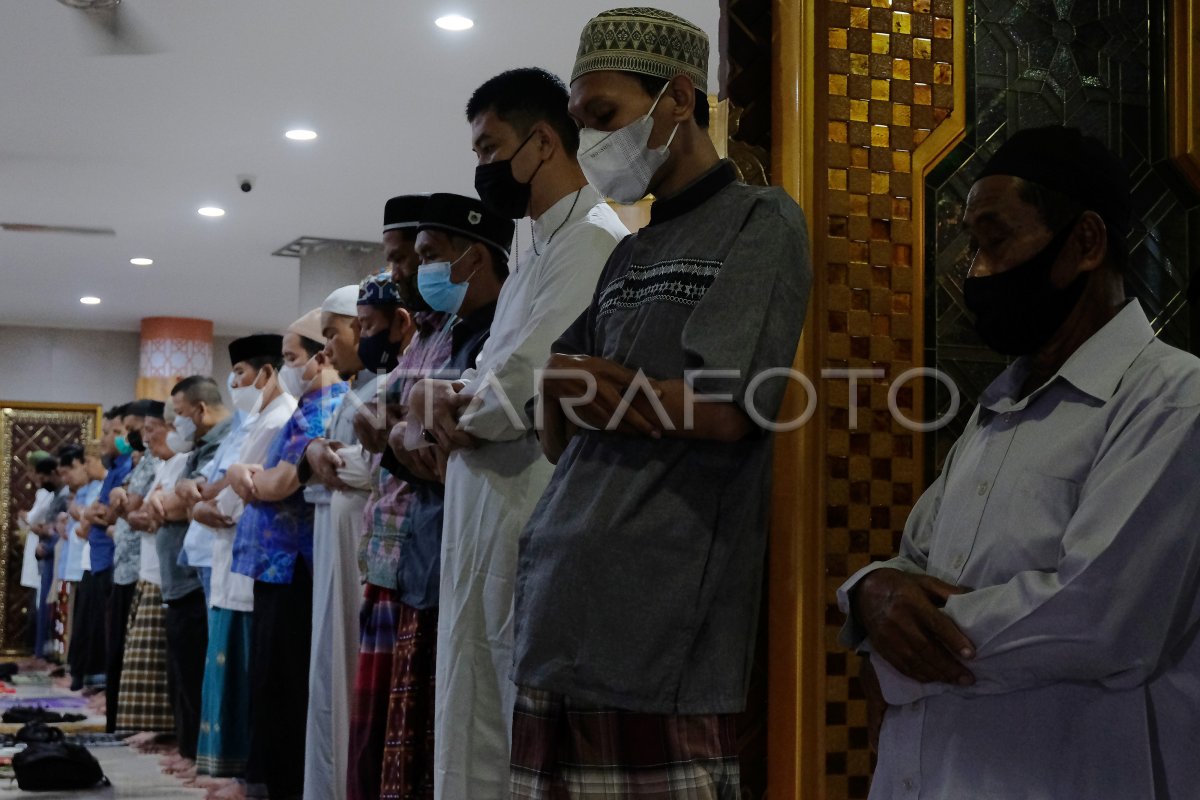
x=799 y=592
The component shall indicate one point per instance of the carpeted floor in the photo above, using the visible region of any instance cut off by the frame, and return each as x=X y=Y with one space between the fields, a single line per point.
x=133 y=775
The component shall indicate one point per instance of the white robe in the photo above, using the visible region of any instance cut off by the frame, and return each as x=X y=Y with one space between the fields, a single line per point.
x=337 y=590
x=491 y=492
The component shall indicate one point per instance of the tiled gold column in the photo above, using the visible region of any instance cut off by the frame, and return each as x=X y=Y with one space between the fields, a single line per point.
x=857 y=131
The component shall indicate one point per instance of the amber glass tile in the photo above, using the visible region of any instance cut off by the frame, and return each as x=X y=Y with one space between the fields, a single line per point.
x=880 y=183
x=860 y=64
x=881 y=90
x=837 y=179
x=901 y=114
x=922 y=48
x=837 y=131
x=942 y=73
x=859 y=157
x=902 y=208
x=859 y=110
x=880 y=43
x=837 y=39
x=880 y=136
x=902 y=255
x=901 y=69
x=860 y=18
x=922 y=94
x=837 y=85
x=943 y=28
x=901 y=161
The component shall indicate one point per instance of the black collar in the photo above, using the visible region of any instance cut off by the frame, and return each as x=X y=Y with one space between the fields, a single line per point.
x=694 y=194
x=466 y=327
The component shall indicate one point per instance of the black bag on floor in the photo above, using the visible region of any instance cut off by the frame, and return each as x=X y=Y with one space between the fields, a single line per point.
x=39 y=733
x=55 y=766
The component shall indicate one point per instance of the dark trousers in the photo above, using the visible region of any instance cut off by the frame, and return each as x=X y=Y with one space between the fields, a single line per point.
x=187 y=642
x=43 y=631
x=282 y=639
x=87 y=657
x=120 y=600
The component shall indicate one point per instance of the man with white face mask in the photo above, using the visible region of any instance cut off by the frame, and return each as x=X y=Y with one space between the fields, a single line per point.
x=274 y=547
x=224 y=728
x=203 y=421
x=641 y=569
x=526 y=146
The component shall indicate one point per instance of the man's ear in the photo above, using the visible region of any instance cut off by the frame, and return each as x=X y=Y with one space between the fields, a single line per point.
x=682 y=90
x=402 y=322
x=1091 y=236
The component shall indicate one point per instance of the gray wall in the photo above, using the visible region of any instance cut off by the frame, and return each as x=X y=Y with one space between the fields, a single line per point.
x=59 y=365
x=331 y=266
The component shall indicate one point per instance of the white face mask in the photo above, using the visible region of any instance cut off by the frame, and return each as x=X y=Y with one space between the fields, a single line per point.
x=177 y=441
x=291 y=379
x=246 y=398
x=620 y=164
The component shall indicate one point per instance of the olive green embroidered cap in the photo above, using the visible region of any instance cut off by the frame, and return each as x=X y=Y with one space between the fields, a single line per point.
x=646 y=41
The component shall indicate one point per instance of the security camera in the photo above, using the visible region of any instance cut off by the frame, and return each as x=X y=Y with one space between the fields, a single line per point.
x=246 y=182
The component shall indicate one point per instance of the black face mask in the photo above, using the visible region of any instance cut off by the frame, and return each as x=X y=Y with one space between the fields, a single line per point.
x=1018 y=310
x=378 y=353
x=500 y=191
x=135 y=441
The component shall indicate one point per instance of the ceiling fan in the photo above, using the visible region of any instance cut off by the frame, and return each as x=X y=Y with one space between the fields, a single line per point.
x=116 y=33
x=24 y=227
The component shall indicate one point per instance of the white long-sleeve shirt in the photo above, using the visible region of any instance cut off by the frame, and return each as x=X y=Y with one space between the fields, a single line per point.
x=1073 y=515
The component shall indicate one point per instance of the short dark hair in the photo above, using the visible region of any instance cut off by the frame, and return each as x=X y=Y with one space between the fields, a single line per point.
x=116 y=412
x=199 y=389
x=524 y=97
x=1057 y=211
x=311 y=346
x=258 y=362
x=68 y=454
x=46 y=466
x=654 y=85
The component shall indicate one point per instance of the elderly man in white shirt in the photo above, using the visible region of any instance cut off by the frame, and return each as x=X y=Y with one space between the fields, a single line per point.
x=1036 y=636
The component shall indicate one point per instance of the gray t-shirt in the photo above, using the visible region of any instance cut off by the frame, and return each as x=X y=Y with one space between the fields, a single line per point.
x=641 y=570
x=177 y=580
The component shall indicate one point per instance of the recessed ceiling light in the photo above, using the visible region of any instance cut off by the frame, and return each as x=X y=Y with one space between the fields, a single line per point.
x=211 y=211
x=454 y=22
x=141 y=262
x=90 y=301
x=301 y=135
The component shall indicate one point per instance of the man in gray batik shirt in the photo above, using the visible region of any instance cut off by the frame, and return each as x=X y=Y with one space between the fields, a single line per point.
x=641 y=569
x=1036 y=636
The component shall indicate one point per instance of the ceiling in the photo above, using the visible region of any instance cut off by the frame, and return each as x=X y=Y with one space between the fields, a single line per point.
x=139 y=142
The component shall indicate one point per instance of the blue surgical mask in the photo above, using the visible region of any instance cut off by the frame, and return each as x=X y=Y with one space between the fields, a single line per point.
x=442 y=294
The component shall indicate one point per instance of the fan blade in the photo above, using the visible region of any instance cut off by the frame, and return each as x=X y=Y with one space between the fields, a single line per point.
x=115 y=30
x=22 y=227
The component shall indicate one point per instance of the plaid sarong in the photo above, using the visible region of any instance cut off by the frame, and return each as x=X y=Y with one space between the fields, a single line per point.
x=368 y=716
x=408 y=748
x=564 y=750
x=144 y=703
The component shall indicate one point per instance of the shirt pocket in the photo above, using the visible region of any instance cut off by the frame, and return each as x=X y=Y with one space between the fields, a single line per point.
x=1041 y=510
